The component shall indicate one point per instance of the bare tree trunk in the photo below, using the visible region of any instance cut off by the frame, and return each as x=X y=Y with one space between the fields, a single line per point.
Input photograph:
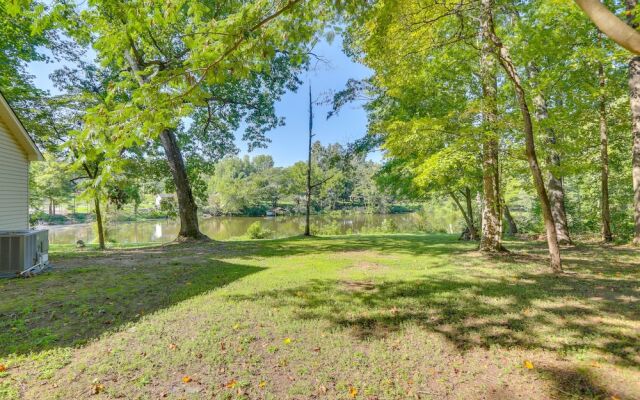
x=96 y=202
x=556 y=190
x=634 y=98
x=513 y=227
x=307 y=224
x=604 y=161
x=538 y=180
x=491 y=239
x=187 y=208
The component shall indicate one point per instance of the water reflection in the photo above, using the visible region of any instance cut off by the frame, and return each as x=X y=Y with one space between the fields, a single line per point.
x=221 y=228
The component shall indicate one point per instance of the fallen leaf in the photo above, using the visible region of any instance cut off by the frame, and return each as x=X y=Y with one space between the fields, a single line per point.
x=262 y=384
x=97 y=388
x=186 y=379
x=236 y=327
x=287 y=340
x=528 y=364
x=231 y=384
x=615 y=398
x=353 y=392
x=173 y=346
x=3 y=368
x=323 y=389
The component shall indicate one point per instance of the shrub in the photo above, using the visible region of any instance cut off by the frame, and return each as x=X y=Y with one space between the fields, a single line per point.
x=256 y=231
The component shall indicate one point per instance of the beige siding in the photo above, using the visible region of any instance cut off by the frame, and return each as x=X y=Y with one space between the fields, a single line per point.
x=14 y=182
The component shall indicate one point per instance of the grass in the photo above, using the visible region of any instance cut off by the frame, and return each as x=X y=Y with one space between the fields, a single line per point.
x=365 y=317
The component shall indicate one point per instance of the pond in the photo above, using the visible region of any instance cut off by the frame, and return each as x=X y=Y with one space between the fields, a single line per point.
x=222 y=228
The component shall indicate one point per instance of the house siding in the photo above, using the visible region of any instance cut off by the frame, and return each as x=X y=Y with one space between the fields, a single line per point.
x=14 y=182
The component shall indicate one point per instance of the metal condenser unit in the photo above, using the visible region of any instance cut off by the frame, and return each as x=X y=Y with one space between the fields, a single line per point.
x=23 y=252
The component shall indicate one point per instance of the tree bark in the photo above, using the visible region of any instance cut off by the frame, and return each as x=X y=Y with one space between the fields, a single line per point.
x=96 y=202
x=634 y=95
x=634 y=98
x=187 y=208
x=611 y=25
x=605 y=214
x=491 y=239
x=307 y=224
x=556 y=190
x=508 y=66
x=513 y=227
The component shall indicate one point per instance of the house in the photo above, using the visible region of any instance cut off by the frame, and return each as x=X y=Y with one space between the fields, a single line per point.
x=164 y=198
x=17 y=150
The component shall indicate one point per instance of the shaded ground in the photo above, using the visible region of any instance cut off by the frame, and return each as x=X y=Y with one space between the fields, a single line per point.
x=367 y=317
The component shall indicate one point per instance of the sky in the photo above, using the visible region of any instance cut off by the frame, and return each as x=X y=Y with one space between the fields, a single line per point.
x=289 y=142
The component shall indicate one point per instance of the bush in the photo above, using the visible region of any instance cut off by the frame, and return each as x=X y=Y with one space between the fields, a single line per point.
x=256 y=231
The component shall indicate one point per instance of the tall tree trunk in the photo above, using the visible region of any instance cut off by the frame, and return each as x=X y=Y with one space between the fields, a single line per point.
x=538 y=180
x=491 y=239
x=513 y=228
x=556 y=190
x=634 y=89
x=634 y=98
x=604 y=161
x=96 y=202
x=187 y=208
x=307 y=224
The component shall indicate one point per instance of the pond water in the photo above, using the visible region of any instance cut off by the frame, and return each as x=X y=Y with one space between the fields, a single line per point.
x=221 y=228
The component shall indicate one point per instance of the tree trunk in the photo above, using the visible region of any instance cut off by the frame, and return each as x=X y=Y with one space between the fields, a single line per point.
x=556 y=190
x=96 y=202
x=491 y=239
x=513 y=228
x=473 y=231
x=538 y=180
x=187 y=207
x=634 y=98
x=468 y=218
x=604 y=161
x=307 y=223
x=634 y=94
x=611 y=25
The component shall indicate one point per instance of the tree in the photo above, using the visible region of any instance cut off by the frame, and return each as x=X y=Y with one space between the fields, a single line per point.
x=173 y=52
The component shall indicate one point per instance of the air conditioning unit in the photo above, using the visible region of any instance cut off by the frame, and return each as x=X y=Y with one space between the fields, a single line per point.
x=23 y=252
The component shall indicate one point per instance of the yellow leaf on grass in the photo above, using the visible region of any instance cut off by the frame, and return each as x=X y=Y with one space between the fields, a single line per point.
x=97 y=388
x=353 y=392
x=231 y=384
x=528 y=364
x=262 y=384
x=3 y=368
x=173 y=346
x=236 y=327
x=186 y=379
x=615 y=398
x=287 y=340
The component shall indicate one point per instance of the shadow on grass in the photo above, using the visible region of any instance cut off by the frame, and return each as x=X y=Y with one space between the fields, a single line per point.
x=72 y=306
x=413 y=244
x=568 y=315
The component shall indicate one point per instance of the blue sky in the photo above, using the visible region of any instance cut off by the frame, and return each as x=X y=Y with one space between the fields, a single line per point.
x=289 y=142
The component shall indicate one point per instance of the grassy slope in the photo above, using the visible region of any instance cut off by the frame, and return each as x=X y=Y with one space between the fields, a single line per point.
x=367 y=317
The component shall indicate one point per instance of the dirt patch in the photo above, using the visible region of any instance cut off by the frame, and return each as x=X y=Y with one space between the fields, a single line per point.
x=358 y=286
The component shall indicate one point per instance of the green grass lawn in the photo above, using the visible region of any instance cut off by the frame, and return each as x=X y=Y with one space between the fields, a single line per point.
x=365 y=317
